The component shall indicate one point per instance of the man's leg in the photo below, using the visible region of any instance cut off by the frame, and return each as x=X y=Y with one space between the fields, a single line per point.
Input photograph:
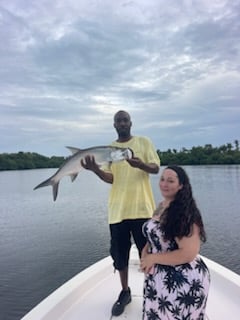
x=120 y=248
x=139 y=239
x=124 y=278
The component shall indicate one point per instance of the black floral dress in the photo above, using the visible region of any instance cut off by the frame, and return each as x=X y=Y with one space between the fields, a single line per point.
x=173 y=293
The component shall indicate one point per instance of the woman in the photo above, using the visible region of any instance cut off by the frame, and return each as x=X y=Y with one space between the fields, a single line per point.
x=176 y=279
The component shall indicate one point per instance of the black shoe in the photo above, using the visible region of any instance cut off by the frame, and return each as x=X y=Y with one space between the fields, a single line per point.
x=123 y=299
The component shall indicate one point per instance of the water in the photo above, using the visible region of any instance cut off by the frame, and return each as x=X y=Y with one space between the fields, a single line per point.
x=45 y=243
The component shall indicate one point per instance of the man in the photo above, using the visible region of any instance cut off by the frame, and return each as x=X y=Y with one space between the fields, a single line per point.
x=131 y=201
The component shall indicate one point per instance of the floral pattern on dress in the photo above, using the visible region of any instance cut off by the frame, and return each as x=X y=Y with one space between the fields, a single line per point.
x=173 y=292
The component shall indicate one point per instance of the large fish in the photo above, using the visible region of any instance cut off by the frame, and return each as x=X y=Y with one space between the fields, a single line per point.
x=72 y=166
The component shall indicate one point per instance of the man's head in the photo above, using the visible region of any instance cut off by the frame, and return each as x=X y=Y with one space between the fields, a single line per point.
x=122 y=124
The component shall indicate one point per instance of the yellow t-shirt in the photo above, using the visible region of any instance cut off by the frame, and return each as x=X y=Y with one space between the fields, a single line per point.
x=131 y=194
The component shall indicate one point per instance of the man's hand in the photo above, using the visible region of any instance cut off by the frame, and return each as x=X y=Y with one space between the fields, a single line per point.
x=135 y=162
x=89 y=163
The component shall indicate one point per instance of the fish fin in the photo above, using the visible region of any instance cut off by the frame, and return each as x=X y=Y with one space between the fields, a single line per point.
x=73 y=176
x=73 y=149
x=55 y=190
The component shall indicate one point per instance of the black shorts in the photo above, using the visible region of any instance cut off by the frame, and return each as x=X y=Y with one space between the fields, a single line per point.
x=121 y=240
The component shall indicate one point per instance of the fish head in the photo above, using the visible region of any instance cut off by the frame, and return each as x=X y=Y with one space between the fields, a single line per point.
x=128 y=153
x=119 y=154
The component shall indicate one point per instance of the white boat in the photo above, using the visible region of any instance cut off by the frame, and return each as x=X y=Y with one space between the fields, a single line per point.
x=91 y=293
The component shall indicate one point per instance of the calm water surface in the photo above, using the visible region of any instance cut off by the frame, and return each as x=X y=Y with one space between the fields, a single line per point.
x=45 y=243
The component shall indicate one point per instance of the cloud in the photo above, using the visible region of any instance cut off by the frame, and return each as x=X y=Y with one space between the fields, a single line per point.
x=67 y=67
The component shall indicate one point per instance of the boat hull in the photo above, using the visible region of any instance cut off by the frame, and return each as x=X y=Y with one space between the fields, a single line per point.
x=90 y=294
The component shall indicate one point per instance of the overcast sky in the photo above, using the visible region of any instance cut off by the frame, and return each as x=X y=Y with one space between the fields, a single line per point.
x=66 y=66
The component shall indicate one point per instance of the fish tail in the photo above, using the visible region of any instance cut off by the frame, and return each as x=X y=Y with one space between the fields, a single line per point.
x=55 y=190
x=50 y=182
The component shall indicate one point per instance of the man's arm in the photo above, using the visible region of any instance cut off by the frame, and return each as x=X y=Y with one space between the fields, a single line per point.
x=90 y=164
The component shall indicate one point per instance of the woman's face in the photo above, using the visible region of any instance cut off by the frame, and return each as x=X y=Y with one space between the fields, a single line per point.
x=169 y=184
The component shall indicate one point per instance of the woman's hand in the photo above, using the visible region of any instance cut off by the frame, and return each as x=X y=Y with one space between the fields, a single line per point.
x=147 y=263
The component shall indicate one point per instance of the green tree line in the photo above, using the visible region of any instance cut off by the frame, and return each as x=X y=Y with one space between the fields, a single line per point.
x=225 y=154
x=28 y=160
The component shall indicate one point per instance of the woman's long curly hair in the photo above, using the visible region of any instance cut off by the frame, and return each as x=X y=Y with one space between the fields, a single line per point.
x=178 y=219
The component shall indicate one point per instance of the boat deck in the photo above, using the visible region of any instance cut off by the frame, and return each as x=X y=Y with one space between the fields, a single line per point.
x=99 y=300
x=91 y=294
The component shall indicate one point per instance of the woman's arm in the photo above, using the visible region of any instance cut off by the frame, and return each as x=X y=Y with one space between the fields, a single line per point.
x=145 y=250
x=188 y=248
